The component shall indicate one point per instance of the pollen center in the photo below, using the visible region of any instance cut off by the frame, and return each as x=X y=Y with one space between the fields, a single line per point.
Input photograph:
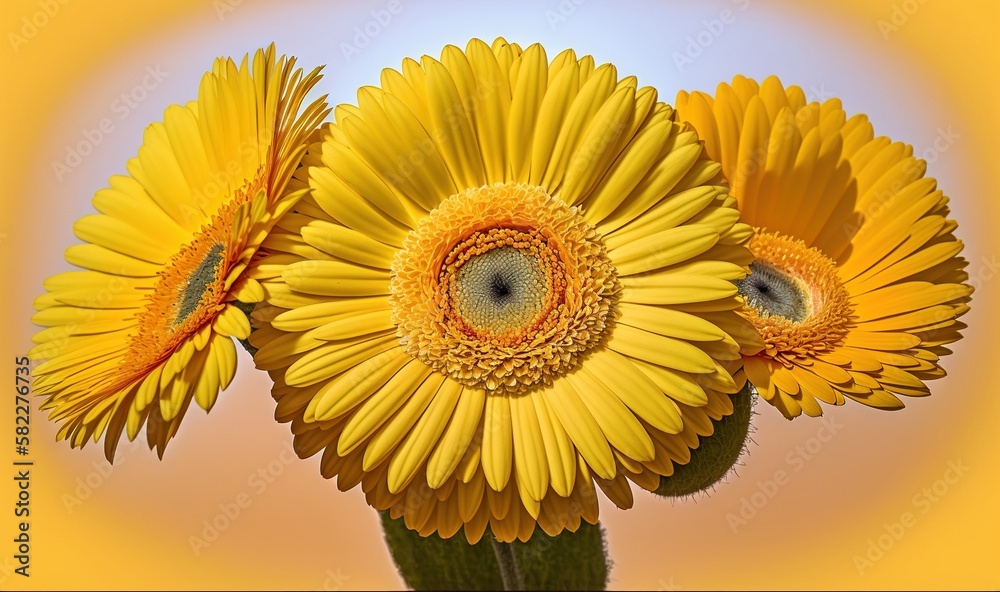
x=794 y=297
x=204 y=276
x=503 y=287
x=771 y=292
x=191 y=287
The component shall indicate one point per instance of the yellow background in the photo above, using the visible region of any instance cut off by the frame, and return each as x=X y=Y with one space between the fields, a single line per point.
x=132 y=527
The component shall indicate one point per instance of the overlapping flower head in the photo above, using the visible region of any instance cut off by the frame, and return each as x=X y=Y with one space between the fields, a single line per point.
x=511 y=283
x=857 y=282
x=148 y=325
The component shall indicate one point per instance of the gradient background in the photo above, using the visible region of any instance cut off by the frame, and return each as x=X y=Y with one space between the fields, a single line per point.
x=932 y=79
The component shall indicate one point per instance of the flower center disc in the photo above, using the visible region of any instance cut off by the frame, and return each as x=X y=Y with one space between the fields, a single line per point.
x=794 y=297
x=503 y=287
x=191 y=286
x=772 y=293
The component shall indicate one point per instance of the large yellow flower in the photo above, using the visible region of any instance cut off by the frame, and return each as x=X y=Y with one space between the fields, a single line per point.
x=857 y=283
x=511 y=280
x=149 y=325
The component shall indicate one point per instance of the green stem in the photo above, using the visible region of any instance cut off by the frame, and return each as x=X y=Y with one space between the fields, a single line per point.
x=509 y=572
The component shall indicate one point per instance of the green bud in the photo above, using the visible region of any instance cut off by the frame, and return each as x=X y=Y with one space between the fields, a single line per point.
x=569 y=561
x=716 y=454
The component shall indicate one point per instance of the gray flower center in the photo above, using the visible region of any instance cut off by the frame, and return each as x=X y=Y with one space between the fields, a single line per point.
x=503 y=288
x=772 y=292
x=201 y=278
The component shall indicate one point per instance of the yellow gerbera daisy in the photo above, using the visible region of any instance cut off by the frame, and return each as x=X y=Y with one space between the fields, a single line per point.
x=857 y=283
x=149 y=325
x=511 y=280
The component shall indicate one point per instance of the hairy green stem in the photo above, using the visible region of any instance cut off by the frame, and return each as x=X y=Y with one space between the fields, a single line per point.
x=509 y=572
